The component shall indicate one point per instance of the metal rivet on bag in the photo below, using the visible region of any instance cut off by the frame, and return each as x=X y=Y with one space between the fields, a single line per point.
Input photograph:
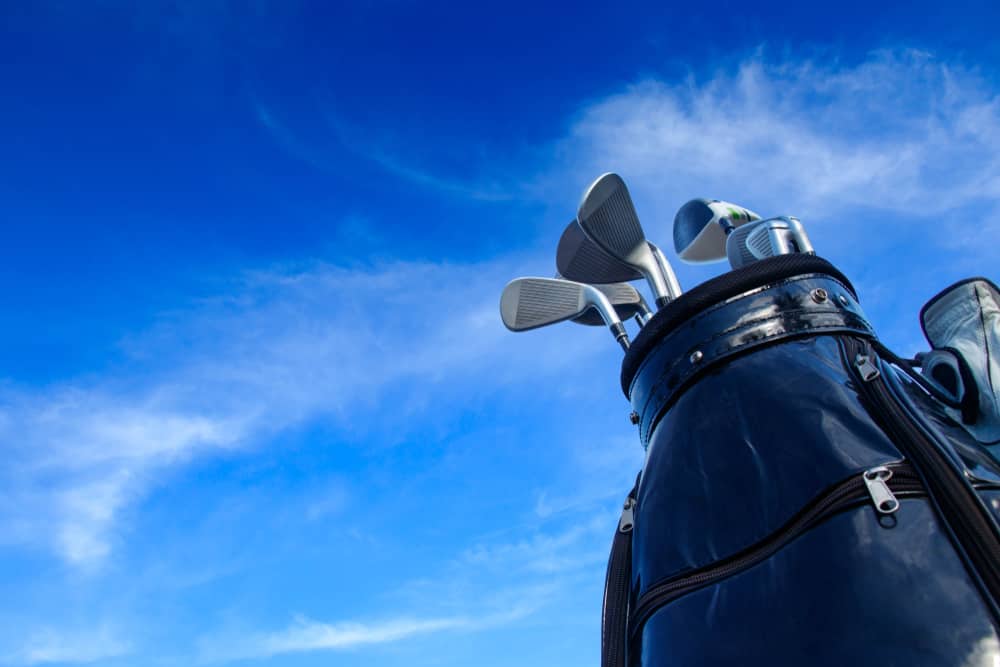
x=634 y=417
x=842 y=299
x=819 y=295
x=696 y=356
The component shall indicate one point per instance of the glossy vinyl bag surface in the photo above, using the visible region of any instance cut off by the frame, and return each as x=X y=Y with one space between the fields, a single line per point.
x=756 y=538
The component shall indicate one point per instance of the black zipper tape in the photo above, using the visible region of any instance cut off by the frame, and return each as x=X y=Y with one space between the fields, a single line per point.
x=854 y=491
x=958 y=505
x=614 y=616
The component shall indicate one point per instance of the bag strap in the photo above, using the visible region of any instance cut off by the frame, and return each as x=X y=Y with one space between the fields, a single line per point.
x=614 y=616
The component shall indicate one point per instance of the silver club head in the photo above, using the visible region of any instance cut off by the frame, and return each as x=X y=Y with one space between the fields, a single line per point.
x=579 y=258
x=608 y=217
x=699 y=234
x=627 y=303
x=783 y=235
x=529 y=303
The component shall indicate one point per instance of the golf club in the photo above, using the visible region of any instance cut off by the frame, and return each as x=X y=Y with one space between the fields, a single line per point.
x=673 y=287
x=699 y=226
x=607 y=216
x=529 y=303
x=578 y=258
x=627 y=303
x=782 y=235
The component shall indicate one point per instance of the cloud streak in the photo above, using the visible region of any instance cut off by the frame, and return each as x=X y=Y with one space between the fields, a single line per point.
x=360 y=142
x=48 y=646
x=901 y=132
x=277 y=348
x=305 y=635
x=282 y=347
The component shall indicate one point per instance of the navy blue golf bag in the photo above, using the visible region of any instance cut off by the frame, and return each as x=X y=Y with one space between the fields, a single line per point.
x=808 y=497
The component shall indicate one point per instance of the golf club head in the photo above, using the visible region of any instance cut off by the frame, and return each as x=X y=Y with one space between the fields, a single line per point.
x=578 y=258
x=627 y=303
x=698 y=236
x=783 y=235
x=607 y=216
x=529 y=303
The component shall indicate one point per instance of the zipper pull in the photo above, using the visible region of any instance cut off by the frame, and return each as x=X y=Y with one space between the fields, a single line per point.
x=628 y=516
x=882 y=496
x=869 y=371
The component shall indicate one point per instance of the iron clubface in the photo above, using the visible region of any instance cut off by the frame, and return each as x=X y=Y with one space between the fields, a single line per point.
x=578 y=258
x=529 y=303
x=607 y=216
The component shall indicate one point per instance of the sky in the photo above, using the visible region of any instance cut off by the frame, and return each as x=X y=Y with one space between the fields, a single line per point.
x=257 y=406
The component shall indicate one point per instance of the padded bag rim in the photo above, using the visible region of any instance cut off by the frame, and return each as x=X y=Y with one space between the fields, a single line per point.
x=719 y=289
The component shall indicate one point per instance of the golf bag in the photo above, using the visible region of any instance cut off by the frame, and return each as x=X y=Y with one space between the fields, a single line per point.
x=808 y=497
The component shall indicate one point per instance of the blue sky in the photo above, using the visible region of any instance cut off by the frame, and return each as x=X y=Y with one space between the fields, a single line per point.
x=256 y=402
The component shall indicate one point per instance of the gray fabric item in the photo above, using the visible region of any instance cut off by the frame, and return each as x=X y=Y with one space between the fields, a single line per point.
x=966 y=318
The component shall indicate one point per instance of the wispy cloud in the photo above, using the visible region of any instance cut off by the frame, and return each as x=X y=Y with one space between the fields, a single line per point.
x=362 y=142
x=570 y=525
x=281 y=347
x=901 y=132
x=601 y=469
x=307 y=635
x=582 y=545
x=501 y=579
x=79 y=647
x=424 y=177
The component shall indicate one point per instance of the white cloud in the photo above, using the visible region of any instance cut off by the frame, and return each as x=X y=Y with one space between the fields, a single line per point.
x=900 y=132
x=77 y=455
x=307 y=635
x=285 y=346
x=90 y=507
x=397 y=166
x=503 y=578
x=49 y=646
x=361 y=142
x=582 y=545
x=602 y=469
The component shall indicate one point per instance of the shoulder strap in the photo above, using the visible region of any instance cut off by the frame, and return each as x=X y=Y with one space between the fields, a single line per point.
x=614 y=618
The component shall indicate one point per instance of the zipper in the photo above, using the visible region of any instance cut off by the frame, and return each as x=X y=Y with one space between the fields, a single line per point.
x=955 y=500
x=881 y=486
x=614 y=613
x=627 y=519
x=882 y=497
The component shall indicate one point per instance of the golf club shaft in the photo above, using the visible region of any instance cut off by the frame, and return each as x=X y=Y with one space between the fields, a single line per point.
x=600 y=301
x=673 y=287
